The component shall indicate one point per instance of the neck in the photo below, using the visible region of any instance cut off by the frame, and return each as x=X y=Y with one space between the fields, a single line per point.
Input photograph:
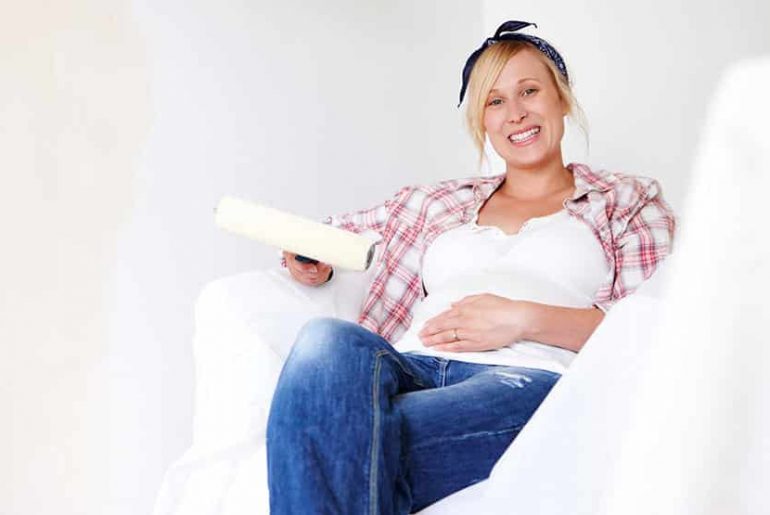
x=535 y=183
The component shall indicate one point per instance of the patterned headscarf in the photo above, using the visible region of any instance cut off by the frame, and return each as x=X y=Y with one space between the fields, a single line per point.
x=507 y=32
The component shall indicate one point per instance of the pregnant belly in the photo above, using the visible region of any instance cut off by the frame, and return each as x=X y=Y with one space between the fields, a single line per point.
x=512 y=286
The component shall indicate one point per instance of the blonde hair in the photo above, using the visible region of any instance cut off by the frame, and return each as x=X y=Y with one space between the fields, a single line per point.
x=484 y=75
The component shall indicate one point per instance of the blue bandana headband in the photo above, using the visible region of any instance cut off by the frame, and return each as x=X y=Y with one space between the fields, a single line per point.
x=507 y=32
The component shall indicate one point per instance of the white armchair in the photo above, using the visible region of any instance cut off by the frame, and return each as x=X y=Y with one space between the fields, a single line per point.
x=245 y=326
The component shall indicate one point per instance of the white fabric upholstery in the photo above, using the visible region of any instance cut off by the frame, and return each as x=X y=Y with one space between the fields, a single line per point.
x=665 y=410
x=245 y=325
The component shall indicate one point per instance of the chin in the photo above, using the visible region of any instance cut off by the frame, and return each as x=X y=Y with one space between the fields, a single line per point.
x=518 y=162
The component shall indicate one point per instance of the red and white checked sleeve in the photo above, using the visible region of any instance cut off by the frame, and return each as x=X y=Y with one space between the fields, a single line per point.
x=640 y=248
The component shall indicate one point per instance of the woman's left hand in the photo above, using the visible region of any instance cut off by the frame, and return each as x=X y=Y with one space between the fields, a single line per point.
x=479 y=322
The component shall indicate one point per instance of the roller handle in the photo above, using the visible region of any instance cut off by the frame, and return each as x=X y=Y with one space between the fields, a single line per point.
x=304 y=259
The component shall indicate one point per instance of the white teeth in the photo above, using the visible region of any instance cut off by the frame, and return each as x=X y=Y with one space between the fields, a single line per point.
x=516 y=138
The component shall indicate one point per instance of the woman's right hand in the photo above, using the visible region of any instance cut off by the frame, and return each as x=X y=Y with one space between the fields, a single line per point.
x=307 y=273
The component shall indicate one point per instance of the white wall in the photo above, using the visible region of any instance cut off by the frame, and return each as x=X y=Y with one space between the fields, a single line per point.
x=643 y=72
x=122 y=122
x=310 y=107
x=74 y=116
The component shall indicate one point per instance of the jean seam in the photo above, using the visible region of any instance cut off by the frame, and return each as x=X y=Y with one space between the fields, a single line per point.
x=374 y=462
x=401 y=366
x=443 y=366
x=466 y=436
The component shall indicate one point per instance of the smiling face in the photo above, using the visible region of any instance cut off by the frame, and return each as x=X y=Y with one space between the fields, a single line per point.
x=524 y=114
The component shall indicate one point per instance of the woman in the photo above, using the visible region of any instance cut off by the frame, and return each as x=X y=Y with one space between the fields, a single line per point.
x=487 y=287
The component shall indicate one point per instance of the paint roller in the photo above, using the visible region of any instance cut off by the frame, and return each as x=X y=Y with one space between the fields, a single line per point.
x=310 y=240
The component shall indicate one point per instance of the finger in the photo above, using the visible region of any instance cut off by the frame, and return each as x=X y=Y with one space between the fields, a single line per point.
x=311 y=276
x=317 y=276
x=298 y=260
x=319 y=265
x=458 y=346
x=446 y=315
x=320 y=268
x=447 y=320
x=441 y=338
x=303 y=265
x=302 y=270
x=289 y=256
x=468 y=300
x=467 y=341
x=313 y=273
x=311 y=280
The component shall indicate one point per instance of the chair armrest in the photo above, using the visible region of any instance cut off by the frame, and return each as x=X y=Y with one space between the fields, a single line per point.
x=244 y=327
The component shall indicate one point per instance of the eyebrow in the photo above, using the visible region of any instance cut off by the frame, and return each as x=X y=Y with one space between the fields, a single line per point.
x=495 y=90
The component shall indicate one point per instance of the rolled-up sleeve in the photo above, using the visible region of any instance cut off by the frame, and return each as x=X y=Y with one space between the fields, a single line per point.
x=646 y=241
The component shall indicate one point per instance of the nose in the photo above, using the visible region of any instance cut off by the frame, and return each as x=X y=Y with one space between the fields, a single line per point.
x=516 y=112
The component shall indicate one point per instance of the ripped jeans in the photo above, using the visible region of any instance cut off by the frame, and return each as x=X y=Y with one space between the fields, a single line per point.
x=357 y=427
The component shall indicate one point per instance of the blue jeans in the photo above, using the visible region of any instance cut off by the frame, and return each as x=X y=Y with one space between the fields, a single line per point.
x=357 y=427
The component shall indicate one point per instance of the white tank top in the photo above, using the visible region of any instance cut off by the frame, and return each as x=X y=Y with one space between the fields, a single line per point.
x=555 y=259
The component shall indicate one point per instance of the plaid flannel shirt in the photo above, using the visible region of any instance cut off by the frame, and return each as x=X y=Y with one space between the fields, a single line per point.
x=627 y=214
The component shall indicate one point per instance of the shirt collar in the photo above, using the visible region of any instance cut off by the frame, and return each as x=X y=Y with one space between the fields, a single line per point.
x=586 y=180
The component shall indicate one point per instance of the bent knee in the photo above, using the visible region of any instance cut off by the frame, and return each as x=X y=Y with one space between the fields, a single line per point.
x=325 y=338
